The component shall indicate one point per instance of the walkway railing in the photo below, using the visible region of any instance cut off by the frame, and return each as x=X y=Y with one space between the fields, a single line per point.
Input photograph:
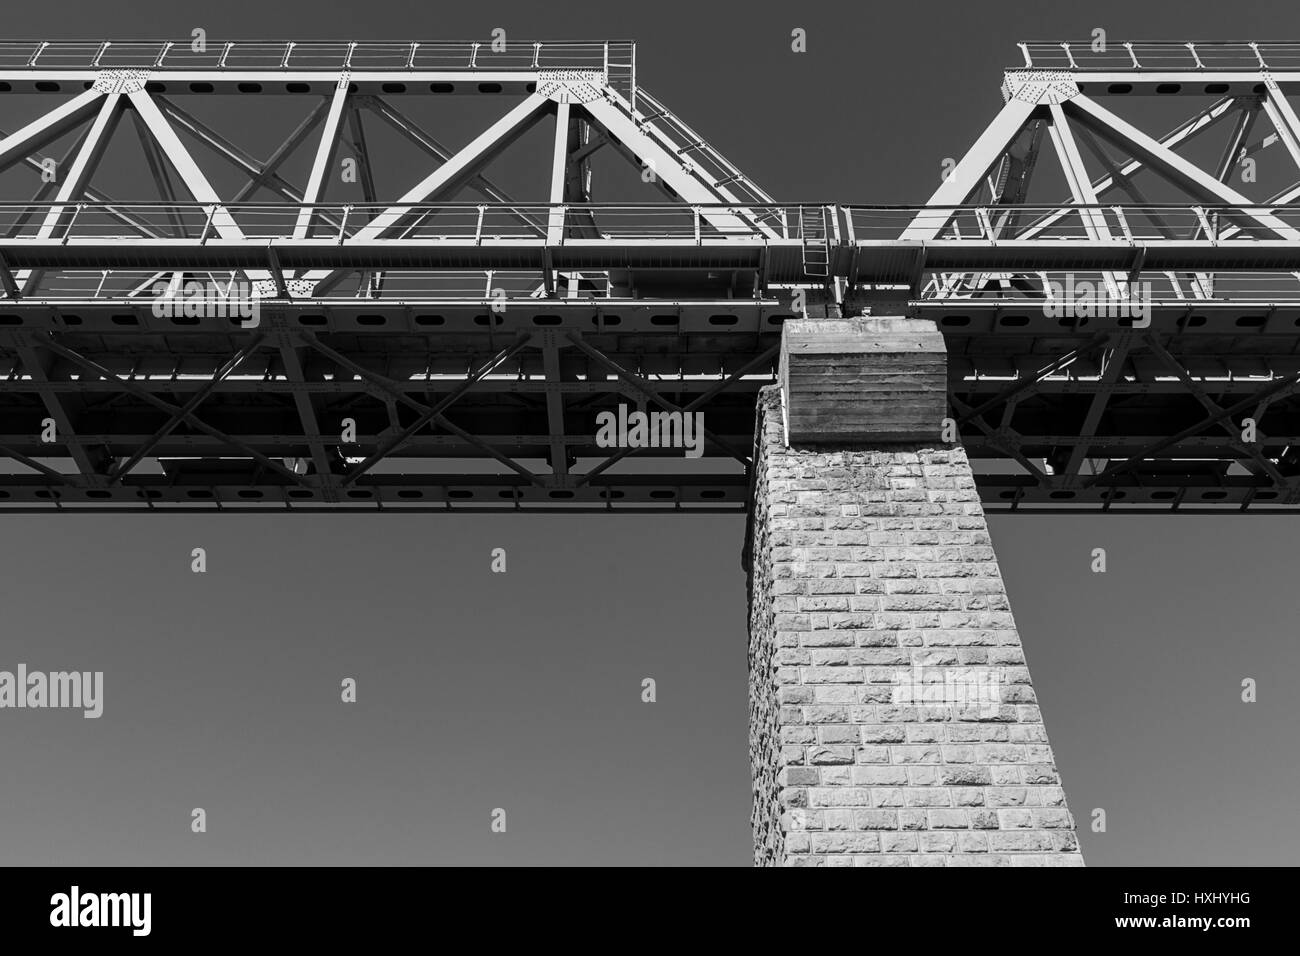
x=1160 y=57
x=558 y=224
x=614 y=56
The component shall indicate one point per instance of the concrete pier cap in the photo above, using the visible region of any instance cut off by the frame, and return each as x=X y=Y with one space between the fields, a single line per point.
x=876 y=379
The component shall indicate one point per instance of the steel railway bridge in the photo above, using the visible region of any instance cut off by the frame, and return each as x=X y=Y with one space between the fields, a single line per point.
x=473 y=333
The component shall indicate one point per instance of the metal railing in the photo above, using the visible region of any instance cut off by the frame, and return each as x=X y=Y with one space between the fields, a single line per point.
x=1038 y=291
x=1122 y=223
x=431 y=222
x=1160 y=57
x=831 y=226
x=624 y=222
x=1061 y=293
x=313 y=55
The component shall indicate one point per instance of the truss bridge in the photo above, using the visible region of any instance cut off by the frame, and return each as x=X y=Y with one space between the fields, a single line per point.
x=441 y=262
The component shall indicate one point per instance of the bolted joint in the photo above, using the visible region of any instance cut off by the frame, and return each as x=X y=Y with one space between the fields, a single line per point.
x=1039 y=86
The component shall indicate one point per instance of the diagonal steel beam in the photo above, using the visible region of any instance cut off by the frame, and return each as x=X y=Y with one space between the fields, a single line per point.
x=35 y=465
x=700 y=400
x=555 y=406
x=46 y=128
x=427 y=414
x=1169 y=164
x=128 y=386
x=371 y=282
x=162 y=179
x=1003 y=439
x=970 y=172
x=1279 y=389
x=1237 y=140
x=456 y=172
x=47 y=185
x=184 y=164
x=460 y=168
x=1099 y=340
x=1182 y=133
x=1282 y=117
x=1097 y=407
x=266 y=172
x=259 y=174
x=357 y=143
x=295 y=372
x=631 y=141
x=7 y=282
x=92 y=194
x=408 y=128
x=54 y=406
x=1213 y=407
x=640 y=385
x=583 y=152
x=1076 y=174
x=183 y=413
x=77 y=176
x=325 y=150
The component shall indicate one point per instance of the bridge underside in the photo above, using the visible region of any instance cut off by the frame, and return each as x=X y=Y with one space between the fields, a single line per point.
x=457 y=407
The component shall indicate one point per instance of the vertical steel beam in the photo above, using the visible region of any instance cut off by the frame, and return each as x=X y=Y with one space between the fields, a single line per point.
x=559 y=171
x=325 y=151
x=555 y=403
x=1080 y=182
x=1283 y=118
x=295 y=370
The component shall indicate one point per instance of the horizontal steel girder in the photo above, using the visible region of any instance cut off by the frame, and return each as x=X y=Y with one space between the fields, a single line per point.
x=90 y=241
x=1038 y=393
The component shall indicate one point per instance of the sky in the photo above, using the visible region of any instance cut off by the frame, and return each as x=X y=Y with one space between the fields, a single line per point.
x=521 y=691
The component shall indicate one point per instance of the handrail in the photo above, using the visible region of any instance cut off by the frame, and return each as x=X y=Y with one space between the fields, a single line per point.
x=848 y=224
x=1103 y=56
x=291 y=55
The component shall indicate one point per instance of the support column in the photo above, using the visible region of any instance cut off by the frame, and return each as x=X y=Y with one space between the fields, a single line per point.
x=892 y=719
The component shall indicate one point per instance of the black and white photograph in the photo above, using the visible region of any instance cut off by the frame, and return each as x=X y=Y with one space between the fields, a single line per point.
x=647 y=435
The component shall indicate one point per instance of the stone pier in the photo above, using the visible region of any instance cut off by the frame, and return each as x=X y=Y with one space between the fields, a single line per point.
x=892 y=718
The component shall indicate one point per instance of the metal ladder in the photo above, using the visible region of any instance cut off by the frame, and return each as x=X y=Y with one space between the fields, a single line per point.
x=816 y=240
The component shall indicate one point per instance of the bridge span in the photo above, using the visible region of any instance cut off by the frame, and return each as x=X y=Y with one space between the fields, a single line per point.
x=1097 y=310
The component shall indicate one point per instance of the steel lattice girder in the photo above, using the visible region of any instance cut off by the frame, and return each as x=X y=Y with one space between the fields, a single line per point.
x=218 y=413
x=385 y=310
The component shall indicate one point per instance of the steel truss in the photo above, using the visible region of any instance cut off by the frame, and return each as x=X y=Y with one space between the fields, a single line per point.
x=474 y=342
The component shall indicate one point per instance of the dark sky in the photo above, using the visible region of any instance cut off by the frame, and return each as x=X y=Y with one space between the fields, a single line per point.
x=521 y=691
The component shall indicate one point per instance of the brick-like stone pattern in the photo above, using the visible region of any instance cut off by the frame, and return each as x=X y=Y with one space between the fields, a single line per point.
x=868 y=562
